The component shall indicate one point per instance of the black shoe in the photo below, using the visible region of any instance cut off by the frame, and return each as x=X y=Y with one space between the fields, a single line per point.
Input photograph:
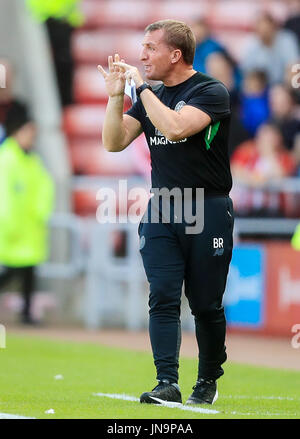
x=163 y=392
x=205 y=392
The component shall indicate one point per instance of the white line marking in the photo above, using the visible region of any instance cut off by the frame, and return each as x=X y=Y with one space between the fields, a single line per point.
x=164 y=404
x=258 y=413
x=280 y=398
x=118 y=396
x=9 y=416
x=203 y=410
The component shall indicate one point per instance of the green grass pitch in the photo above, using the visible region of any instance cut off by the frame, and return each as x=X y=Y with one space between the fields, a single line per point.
x=28 y=366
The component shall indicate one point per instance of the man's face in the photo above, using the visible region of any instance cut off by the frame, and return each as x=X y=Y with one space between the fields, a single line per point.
x=266 y=30
x=26 y=136
x=280 y=101
x=268 y=140
x=156 y=55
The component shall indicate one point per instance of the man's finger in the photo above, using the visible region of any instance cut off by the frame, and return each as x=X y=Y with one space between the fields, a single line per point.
x=102 y=71
x=110 y=64
x=117 y=59
x=123 y=65
x=128 y=77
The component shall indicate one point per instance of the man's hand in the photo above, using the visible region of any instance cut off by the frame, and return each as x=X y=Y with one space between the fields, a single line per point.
x=130 y=72
x=119 y=129
x=115 y=79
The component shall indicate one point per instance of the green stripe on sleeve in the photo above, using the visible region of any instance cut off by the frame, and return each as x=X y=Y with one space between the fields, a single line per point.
x=210 y=133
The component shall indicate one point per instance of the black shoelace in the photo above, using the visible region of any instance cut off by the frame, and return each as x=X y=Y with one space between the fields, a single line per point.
x=202 y=381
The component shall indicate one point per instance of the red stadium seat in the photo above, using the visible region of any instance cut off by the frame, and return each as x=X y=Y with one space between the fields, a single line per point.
x=90 y=158
x=95 y=46
x=88 y=85
x=120 y=13
x=84 y=120
x=235 y=14
x=136 y=14
x=86 y=203
x=242 y=14
x=187 y=11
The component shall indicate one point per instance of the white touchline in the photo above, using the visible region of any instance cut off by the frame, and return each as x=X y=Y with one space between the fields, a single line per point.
x=197 y=409
x=164 y=404
x=9 y=416
x=117 y=396
x=280 y=398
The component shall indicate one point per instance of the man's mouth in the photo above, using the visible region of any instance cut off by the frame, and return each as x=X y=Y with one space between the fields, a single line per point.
x=147 y=68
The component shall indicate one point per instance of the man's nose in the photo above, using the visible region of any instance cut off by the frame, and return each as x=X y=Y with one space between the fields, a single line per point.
x=143 y=55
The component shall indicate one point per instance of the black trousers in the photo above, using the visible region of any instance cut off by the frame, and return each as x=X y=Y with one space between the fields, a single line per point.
x=172 y=257
x=26 y=276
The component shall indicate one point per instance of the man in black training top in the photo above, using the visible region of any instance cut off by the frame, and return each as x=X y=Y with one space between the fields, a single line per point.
x=186 y=123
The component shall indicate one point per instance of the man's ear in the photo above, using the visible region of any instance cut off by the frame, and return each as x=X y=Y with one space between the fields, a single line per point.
x=176 y=55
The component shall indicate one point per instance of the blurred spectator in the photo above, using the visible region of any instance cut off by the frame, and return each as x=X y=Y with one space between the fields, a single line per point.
x=221 y=68
x=293 y=21
x=296 y=154
x=68 y=10
x=293 y=24
x=255 y=108
x=61 y=18
x=255 y=164
x=7 y=99
x=205 y=45
x=26 y=194
x=292 y=81
x=271 y=50
x=60 y=34
x=285 y=113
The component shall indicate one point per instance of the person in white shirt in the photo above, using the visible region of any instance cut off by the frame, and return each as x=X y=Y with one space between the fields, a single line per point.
x=270 y=49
